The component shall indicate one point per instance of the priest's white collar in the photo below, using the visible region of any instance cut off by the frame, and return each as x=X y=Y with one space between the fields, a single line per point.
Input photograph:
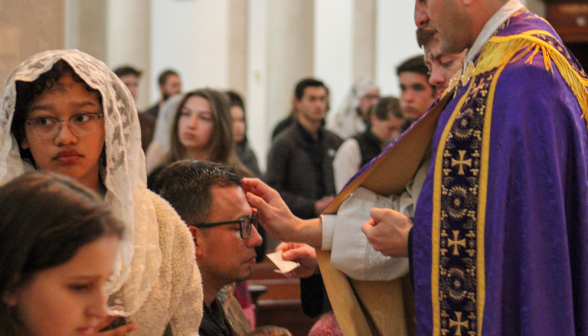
x=506 y=11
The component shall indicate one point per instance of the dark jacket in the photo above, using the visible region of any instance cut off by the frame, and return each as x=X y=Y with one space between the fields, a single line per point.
x=215 y=322
x=153 y=110
x=282 y=126
x=369 y=146
x=147 y=123
x=248 y=158
x=301 y=169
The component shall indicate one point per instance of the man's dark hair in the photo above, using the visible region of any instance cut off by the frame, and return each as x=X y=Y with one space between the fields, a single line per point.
x=424 y=37
x=414 y=64
x=305 y=83
x=387 y=107
x=164 y=75
x=126 y=70
x=187 y=186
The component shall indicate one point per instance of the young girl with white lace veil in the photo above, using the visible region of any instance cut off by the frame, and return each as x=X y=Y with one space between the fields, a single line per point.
x=66 y=112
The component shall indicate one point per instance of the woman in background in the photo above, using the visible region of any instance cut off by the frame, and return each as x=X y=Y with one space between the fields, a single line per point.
x=58 y=244
x=201 y=129
x=386 y=121
x=353 y=115
x=239 y=117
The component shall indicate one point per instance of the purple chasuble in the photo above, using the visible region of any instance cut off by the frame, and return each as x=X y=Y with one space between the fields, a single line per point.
x=500 y=238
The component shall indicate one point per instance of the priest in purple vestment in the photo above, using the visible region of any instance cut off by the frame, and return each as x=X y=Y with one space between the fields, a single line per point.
x=499 y=244
x=500 y=238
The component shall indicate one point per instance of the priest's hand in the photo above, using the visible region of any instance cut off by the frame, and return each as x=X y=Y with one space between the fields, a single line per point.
x=388 y=231
x=276 y=217
x=303 y=254
x=272 y=211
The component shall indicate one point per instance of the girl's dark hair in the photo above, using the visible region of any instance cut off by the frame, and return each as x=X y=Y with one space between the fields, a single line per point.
x=27 y=91
x=386 y=108
x=221 y=145
x=46 y=218
x=235 y=99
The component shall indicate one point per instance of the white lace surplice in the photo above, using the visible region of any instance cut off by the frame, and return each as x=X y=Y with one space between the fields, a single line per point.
x=351 y=253
x=160 y=146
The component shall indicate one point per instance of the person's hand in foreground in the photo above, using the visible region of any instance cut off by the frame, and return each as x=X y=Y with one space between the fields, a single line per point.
x=303 y=254
x=322 y=204
x=276 y=217
x=119 y=331
x=388 y=231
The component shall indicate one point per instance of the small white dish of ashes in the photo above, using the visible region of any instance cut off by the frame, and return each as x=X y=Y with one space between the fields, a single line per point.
x=283 y=265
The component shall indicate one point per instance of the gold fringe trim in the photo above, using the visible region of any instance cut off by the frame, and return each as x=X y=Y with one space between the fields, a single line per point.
x=500 y=51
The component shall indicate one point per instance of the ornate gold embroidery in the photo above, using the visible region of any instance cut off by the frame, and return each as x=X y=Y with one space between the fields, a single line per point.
x=461 y=78
x=455 y=243
x=458 y=247
x=468 y=73
x=458 y=324
x=461 y=162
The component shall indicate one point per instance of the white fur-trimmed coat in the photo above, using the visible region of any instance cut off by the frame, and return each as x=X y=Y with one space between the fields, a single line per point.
x=177 y=295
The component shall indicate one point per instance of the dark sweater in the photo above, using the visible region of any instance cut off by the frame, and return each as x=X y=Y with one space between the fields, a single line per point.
x=215 y=322
x=301 y=169
x=369 y=146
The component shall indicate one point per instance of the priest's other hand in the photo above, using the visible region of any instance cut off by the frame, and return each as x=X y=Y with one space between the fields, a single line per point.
x=388 y=231
x=303 y=254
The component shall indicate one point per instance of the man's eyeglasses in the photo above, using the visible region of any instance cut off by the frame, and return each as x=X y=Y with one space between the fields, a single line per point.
x=245 y=224
x=81 y=125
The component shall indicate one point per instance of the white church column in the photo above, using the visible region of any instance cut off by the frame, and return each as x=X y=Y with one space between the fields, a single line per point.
x=29 y=27
x=280 y=53
x=86 y=27
x=395 y=41
x=128 y=41
x=364 y=38
x=191 y=37
x=238 y=39
x=333 y=46
x=258 y=127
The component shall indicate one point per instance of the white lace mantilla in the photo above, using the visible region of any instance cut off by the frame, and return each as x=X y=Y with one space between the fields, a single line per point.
x=161 y=144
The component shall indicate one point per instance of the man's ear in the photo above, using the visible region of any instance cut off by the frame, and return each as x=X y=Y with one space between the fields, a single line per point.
x=24 y=144
x=9 y=298
x=197 y=238
x=295 y=103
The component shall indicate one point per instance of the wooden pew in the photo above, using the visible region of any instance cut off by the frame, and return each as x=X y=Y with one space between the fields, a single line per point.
x=280 y=304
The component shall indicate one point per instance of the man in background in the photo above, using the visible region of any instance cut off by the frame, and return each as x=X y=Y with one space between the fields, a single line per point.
x=442 y=67
x=416 y=94
x=130 y=77
x=300 y=168
x=169 y=85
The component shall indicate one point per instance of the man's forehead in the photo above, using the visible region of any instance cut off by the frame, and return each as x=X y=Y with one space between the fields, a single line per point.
x=314 y=91
x=412 y=78
x=433 y=50
x=229 y=201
